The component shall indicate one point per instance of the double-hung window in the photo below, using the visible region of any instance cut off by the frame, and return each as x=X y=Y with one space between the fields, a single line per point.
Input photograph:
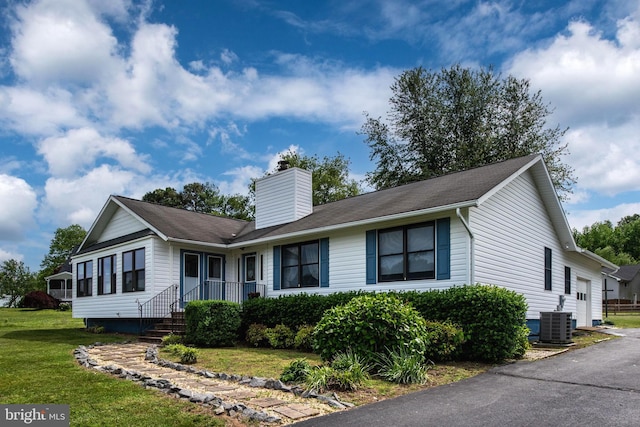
x=133 y=270
x=107 y=275
x=407 y=253
x=301 y=265
x=84 y=278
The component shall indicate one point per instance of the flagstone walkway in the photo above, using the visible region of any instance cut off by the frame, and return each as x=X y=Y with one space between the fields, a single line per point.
x=230 y=397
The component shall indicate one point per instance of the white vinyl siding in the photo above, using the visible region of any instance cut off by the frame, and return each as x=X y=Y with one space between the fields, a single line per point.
x=512 y=229
x=121 y=224
x=118 y=305
x=283 y=197
x=347 y=261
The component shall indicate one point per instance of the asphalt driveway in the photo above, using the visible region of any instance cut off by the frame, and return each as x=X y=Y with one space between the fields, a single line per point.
x=594 y=386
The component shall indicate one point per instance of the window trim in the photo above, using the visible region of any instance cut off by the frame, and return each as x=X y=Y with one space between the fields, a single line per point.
x=548 y=269
x=134 y=272
x=299 y=264
x=423 y=275
x=114 y=275
x=86 y=281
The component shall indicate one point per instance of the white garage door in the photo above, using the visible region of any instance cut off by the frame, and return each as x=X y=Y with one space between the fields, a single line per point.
x=583 y=303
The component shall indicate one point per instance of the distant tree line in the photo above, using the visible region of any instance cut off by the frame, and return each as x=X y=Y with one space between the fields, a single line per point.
x=618 y=243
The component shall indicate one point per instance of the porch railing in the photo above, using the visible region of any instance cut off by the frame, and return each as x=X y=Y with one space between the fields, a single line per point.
x=224 y=291
x=61 y=294
x=158 y=307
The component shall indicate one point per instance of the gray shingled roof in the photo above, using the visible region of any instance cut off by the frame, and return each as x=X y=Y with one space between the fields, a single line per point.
x=627 y=272
x=453 y=189
x=183 y=224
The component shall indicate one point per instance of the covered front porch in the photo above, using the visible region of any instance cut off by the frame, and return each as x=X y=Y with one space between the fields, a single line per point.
x=60 y=285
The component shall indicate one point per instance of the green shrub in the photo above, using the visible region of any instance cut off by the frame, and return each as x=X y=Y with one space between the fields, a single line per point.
x=257 y=335
x=368 y=325
x=171 y=339
x=186 y=354
x=443 y=339
x=296 y=372
x=189 y=355
x=320 y=378
x=280 y=336
x=64 y=306
x=347 y=372
x=291 y=310
x=400 y=366
x=212 y=323
x=304 y=338
x=97 y=329
x=491 y=317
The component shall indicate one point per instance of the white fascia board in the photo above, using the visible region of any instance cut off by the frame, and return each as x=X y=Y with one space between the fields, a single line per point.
x=199 y=243
x=595 y=257
x=96 y=221
x=139 y=239
x=375 y=220
x=508 y=180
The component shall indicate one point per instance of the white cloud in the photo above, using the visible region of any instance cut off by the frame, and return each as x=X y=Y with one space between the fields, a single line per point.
x=18 y=201
x=593 y=85
x=6 y=255
x=61 y=41
x=78 y=200
x=240 y=180
x=78 y=148
x=579 y=219
x=228 y=57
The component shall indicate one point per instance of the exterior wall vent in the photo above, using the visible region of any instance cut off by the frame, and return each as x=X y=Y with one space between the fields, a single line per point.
x=555 y=327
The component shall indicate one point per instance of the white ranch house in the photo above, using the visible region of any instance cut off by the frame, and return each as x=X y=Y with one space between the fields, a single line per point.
x=500 y=224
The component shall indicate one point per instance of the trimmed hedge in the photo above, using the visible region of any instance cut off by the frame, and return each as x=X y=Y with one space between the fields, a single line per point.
x=492 y=318
x=291 y=310
x=212 y=323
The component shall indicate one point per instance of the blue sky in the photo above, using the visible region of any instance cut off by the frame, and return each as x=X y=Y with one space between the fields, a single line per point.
x=122 y=97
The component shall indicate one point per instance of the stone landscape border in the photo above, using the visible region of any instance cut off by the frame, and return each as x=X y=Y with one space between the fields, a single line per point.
x=219 y=406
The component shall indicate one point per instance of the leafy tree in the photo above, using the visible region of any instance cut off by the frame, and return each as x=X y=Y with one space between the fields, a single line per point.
x=204 y=198
x=619 y=244
x=166 y=197
x=457 y=119
x=15 y=281
x=64 y=241
x=330 y=176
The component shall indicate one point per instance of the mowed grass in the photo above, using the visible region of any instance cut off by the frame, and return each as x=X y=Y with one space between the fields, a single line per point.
x=37 y=367
x=626 y=320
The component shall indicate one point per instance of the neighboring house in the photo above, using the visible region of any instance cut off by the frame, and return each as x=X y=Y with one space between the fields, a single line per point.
x=623 y=284
x=500 y=224
x=59 y=284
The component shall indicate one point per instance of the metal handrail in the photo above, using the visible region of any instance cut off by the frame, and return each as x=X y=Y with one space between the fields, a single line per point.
x=223 y=291
x=158 y=307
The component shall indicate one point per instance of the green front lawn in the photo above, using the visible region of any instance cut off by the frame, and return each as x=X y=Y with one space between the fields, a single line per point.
x=37 y=367
x=626 y=320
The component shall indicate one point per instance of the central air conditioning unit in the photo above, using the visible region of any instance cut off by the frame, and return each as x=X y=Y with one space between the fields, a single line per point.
x=555 y=327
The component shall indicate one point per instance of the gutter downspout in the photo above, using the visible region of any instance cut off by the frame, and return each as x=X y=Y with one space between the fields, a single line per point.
x=471 y=245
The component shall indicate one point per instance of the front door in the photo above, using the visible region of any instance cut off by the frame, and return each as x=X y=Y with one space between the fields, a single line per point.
x=583 y=315
x=214 y=286
x=191 y=276
x=250 y=268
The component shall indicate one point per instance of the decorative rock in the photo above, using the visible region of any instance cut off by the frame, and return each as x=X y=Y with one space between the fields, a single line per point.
x=219 y=410
x=257 y=382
